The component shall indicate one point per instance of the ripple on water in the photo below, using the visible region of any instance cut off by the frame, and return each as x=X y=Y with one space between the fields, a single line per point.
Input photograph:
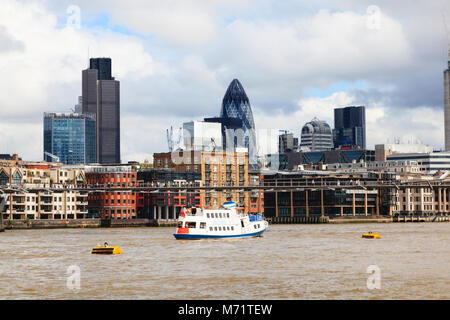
x=288 y=262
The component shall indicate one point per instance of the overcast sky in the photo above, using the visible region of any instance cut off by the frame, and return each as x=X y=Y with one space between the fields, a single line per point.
x=175 y=59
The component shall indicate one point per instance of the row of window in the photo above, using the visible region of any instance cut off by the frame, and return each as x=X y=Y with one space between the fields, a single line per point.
x=222 y=228
x=218 y=215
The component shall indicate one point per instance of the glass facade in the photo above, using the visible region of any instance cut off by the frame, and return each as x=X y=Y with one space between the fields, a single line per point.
x=350 y=127
x=70 y=137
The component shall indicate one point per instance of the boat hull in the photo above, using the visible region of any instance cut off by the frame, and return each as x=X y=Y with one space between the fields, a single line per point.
x=187 y=236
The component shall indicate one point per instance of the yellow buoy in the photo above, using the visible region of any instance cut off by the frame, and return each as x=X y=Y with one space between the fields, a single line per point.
x=106 y=250
x=371 y=235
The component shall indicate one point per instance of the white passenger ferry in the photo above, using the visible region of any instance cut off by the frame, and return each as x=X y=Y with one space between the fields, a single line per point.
x=226 y=222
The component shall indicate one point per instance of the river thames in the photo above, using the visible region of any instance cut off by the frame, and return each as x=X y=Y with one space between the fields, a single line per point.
x=323 y=261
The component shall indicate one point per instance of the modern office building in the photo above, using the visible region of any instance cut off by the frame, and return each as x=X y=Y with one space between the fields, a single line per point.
x=428 y=162
x=236 y=117
x=101 y=96
x=69 y=138
x=447 y=105
x=350 y=128
x=287 y=142
x=316 y=136
x=201 y=135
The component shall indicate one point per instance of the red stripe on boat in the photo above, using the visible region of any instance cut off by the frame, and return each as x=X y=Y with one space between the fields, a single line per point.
x=183 y=230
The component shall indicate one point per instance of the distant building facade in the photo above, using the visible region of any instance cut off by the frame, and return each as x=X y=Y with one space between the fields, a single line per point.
x=316 y=136
x=429 y=162
x=112 y=204
x=384 y=150
x=101 y=96
x=216 y=169
x=287 y=142
x=350 y=128
x=69 y=138
x=200 y=135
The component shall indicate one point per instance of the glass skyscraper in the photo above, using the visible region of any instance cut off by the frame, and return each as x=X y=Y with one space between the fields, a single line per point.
x=69 y=138
x=101 y=96
x=236 y=117
x=350 y=128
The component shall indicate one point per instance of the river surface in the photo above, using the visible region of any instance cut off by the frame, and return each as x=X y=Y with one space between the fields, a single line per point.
x=323 y=261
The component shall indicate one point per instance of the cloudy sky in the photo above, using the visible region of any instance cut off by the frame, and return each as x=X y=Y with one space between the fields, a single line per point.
x=175 y=58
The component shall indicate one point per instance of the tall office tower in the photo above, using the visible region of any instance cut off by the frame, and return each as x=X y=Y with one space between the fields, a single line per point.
x=101 y=96
x=350 y=128
x=103 y=65
x=316 y=136
x=108 y=121
x=447 y=105
x=69 y=138
x=236 y=117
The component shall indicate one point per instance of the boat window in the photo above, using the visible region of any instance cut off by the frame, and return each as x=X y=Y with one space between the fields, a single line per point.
x=242 y=223
x=210 y=228
x=190 y=224
x=254 y=226
x=220 y=228
x=194 y=211
x=215 y=228
x=228 y=214
x=217 y=215
x=207 y=215
x=180 y=224
x=220 y=214
x=228 y=228
x=202 y=225
x=232 y=228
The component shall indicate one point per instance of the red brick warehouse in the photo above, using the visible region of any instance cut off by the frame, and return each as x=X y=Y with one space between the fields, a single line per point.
x=114 y=204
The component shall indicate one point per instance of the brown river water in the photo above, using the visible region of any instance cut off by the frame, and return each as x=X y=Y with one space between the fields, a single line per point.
x=289 y=262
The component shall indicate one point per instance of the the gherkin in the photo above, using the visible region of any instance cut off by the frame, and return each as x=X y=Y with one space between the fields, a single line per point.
x=236 y=105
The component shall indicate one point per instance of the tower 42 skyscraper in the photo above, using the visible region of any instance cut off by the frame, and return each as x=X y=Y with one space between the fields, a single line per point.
x=101 y=96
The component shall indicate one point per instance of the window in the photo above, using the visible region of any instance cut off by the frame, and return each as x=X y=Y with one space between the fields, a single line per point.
x=202 y=225
x=191 y=224
x=210 y=228
x=207 y=215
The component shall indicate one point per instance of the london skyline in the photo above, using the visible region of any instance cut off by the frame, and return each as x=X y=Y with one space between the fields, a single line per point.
x=293 y=67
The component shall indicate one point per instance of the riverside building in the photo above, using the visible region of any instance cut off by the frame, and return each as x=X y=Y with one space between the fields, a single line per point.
x=112 y=204
x=216 y=169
